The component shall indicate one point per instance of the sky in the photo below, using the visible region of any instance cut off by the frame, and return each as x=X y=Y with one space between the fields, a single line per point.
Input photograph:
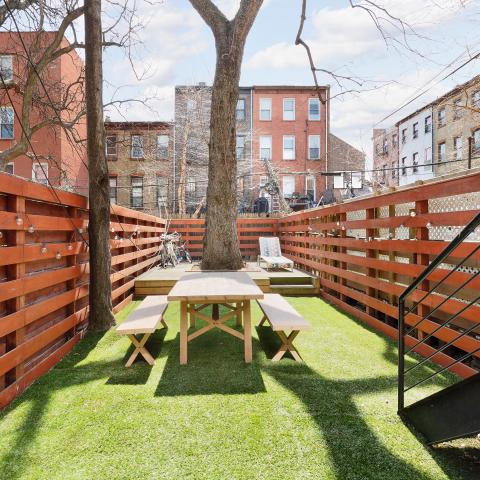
x=176 y=47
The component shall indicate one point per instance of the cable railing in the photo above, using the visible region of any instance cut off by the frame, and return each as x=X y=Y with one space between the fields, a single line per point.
x=405 y=332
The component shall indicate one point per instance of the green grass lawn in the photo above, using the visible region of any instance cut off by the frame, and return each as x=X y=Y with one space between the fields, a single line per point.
x=333 y=417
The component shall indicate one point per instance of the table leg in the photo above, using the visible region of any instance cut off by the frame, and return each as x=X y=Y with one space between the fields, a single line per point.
x=183 y=333
x=215 y=311
x=239 y=315
x=247 y=331
x=192 y=318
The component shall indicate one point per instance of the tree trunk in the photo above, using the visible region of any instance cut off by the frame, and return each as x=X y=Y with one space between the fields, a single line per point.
x=221 y=248
x=101 y=315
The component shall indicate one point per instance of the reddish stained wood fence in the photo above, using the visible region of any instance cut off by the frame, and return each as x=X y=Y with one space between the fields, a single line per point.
x=44 y=274
x=367 y=251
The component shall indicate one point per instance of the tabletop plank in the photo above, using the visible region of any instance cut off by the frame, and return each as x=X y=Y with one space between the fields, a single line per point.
x=215 y=286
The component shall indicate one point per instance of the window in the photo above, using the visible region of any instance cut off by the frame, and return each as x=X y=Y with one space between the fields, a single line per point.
x=385 y=146
x=404 y=135
x=428 y=124
x=191 y=186
x=476 y=140
x=137 y=146
x=162 y=146
x=9 y=168
x=240 y=184
x=441 y=117
x=289 y=109
x=415 y=162
x=394 y=140
x=457 y=109
x=288 y=147
x=394 y=169
x=457 y=148
x=384 y=173
x=378 y=149
x=262 y=181
x=241 y=109
x=476 y=99
x=428 y=165
x=314 y=147
x=191 y=104
x=415 y=130
x=266 y=148
x=6 y=123
x=265 y=109
x=40 y=173
x=111 y=143
x=441 y=152
x=162 y=191
x=357 y=180
x=338 y=181
x=404 y=165
x=136 y=199
x=6 y=67
x=314 y=109
x=310 y=187
x=113 y=190
x=240 y=146
x=288 y=185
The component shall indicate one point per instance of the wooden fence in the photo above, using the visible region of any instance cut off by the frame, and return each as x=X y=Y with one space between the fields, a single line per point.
x=367 y=251
x=44 y=274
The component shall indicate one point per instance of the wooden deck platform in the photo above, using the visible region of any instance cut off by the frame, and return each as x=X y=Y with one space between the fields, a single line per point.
x=159 y=281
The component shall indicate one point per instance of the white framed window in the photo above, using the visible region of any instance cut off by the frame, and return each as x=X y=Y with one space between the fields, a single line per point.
x=262 y=181
x=40 y=173
x=415 y=162
x=404 y=135
x=111 y=145
x=240 y=112
x=191 y=186
x=338 y=181
x=476 y=140
x=394 y=169
x=6 y=67
x=457 y=147
x=314 y=147
x=136 y=197
x=288 y=184
x=162 y=146
x=476 y=99
x=289 y=147
x=427 y=164
x=404 y=165
x=240 y=146
x=313 y=109
x=137 y=146
x=265 y=109
x=441 y=152
x=112 y=181
x=310 y=187
x=10 y=168
x=357 y=180
x=162 y=191
x=441 y=117
x=265 y=147
x=457 y=109
x=289 y=109
x=428 y=124
x=7 y=117
x=415 y=130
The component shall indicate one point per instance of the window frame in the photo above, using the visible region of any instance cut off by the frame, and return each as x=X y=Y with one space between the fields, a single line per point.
x=310 y=148
x=415 y=162
x=317 y=101
x=441 y=117
x=293 y=111
x=111 y=156
x=7 y=108
x=165 y=146
x=243 y=110
x=404 y=166
x=476 y=145
x=132 y=190
x=457 y=109
x=114 y=188
x=263 y=148
x=290 y=177
x=191 y=187
x=10 y=57
x=12 y=164
x=404 y=136
x=132 y=146
x=237 y=147
x=313 y=179
x=167 y=185
x=415 y=130
x=45 y=171
x=293 y=149
x=427 y=124
x=269 y=100
x=456 y=150
x=439 y=148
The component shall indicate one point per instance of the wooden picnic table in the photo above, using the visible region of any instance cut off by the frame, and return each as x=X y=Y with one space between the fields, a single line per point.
x=197 y=291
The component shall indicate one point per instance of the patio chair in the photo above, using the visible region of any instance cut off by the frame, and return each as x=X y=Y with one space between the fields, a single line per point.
x=271 y=254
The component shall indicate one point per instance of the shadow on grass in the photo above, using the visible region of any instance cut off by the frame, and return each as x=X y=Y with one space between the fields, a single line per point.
x=140 y=370
x=215 y=366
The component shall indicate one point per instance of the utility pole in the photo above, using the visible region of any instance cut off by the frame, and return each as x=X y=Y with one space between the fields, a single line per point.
x=100 y=291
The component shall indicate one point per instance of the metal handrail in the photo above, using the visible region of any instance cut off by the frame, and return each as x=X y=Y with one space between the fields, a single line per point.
x=449 y=249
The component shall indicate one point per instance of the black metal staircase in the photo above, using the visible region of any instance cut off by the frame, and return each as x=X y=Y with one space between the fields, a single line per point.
x=454 y=411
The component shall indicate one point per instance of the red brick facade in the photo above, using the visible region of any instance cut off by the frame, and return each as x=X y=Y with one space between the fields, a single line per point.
x=282 y=128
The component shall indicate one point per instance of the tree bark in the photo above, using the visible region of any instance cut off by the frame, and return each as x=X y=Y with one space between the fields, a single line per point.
x=101 y=315
x=221 y=248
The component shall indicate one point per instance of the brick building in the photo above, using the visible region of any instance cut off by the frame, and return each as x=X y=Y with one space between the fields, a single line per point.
x=61 y=155
x=290 y=130
x=385 y=156
x=457 y=129
x=140 y=160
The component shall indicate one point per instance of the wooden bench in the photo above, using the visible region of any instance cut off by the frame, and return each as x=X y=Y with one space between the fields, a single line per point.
x=282 y=317
x=144 y=320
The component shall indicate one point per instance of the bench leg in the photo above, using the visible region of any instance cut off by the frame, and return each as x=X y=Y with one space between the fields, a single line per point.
x=140 y=348
x=262 y=321
x=247 y=331
x=183 y=333
x=164 y=323
x=239 y=317
x=287 y=346
x=193 y=319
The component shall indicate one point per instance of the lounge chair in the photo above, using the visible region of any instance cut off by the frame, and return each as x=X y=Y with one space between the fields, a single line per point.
x=271 y=254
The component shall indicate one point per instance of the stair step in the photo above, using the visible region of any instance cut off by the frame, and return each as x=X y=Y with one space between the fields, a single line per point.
x=290 y=280
x=449 y=414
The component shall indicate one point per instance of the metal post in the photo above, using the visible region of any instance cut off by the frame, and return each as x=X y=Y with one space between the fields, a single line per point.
x=401 y=354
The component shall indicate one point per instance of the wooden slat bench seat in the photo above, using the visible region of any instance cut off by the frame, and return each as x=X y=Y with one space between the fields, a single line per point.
x=145 y=319
x=282 y=317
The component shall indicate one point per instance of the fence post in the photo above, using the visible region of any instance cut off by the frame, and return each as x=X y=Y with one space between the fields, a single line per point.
x=371 y=253
x=423 y=259
x=16 y=271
